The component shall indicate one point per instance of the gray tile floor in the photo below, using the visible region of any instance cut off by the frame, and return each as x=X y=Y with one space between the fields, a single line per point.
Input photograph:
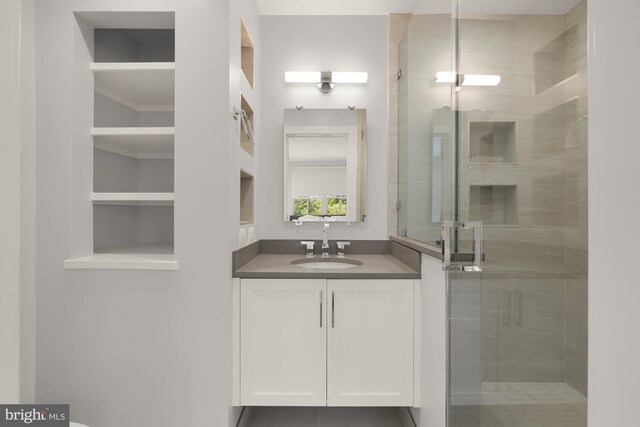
x=324 y=417
x=503 y=405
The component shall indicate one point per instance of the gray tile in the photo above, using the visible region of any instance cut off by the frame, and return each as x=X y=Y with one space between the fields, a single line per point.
x=324 y=417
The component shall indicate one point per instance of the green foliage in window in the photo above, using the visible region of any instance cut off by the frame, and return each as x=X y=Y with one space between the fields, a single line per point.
x=300 y=206
x=315 y=206
x=307 y=206
x=337 y=205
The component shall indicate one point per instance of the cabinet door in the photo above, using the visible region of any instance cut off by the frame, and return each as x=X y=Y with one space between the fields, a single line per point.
x=370 y=342
x=283 y=342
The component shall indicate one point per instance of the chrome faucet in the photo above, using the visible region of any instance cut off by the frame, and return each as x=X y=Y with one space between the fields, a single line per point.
x=325 y=240
x=341 y=246
x=309 y=245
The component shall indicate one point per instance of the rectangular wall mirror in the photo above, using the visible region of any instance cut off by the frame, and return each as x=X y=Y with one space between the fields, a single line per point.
x=325 y=165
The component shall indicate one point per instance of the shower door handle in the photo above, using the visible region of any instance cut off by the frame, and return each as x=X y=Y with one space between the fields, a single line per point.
x=454 y=260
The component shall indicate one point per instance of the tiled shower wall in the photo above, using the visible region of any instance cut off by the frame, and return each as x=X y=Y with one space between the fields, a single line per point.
x=576 y=209
x=531 y=194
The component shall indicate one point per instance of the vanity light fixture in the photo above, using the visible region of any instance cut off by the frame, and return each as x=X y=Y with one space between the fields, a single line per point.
x=326 y=80
x=468 y=79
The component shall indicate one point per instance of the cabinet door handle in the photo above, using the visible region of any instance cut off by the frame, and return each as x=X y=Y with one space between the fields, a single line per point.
x=333 y=309
x=321 y=298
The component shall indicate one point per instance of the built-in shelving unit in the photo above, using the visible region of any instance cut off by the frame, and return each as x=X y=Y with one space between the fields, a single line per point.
x=492 y=142
x=494 y=204
x=247 y=53
x=133 y=138
x=246 y=198
x=133 y=135
x=246 y=146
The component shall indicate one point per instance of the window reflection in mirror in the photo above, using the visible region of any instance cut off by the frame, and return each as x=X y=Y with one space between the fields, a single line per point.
x=324 y=165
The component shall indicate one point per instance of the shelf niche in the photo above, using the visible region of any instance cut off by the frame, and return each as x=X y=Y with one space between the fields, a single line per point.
x=132 y=229
x=134 y=76
x=116 y=173
x=134 y=45
x=246 y=198
x=133 y=132
x=245 y=142
x=113 y=110
x=493 y=204
x=247 y=53
x=492 y=142
x=552 y=64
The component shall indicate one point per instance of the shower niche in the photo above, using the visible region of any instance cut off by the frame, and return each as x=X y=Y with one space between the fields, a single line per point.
x=492 y=142
x=494 y=204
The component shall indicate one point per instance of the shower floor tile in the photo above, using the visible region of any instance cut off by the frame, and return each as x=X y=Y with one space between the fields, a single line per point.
x=505 y=393
x=510 y=404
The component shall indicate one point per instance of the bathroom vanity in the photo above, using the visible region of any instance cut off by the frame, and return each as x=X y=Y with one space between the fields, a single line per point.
x=339 y=336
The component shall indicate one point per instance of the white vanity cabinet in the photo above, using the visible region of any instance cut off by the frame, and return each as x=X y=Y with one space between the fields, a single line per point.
x=283 y=342
x=370 y=343
x=326 y=342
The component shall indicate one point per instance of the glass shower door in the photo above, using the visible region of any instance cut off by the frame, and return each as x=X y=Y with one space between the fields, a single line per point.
x=517 y=325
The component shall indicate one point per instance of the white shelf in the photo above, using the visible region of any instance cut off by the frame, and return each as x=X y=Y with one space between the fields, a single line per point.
x=127 y=258
x=141 y=86
x=136 y=142
x=133 y=199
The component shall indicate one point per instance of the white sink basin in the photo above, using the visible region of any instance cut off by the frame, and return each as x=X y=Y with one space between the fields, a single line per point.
x=326 y=263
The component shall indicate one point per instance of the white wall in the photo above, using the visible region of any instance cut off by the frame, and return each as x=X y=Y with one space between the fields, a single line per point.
x=10 y=196
x=614 y=202
x=143 y=348
x=28 y=203
x=316 y=43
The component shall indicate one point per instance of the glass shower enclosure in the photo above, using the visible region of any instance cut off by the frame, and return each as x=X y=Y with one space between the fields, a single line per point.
x=492 y=130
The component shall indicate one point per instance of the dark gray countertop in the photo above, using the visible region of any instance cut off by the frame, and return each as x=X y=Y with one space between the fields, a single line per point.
x=278 y=266
x=271 y=259
x=426 y=248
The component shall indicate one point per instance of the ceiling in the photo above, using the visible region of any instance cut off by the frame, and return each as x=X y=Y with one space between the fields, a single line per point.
x=335 y=7
x=383 y=7
x=499 y=7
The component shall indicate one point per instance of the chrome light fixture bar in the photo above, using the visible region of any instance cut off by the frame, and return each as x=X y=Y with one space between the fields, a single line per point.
x=468 y=79
x=326 y=80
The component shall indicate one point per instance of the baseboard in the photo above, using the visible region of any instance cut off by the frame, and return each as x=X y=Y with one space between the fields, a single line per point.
x=245 y=417
x=407 y=418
